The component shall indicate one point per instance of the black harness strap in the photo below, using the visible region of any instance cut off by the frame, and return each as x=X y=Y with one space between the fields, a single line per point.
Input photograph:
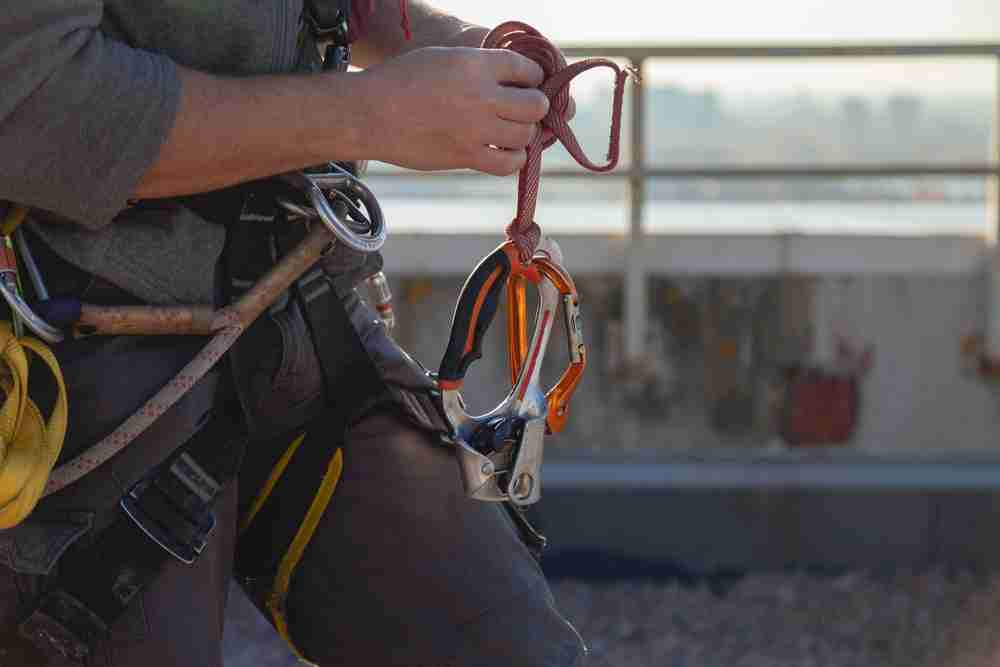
x=168 y=514
x=344 y=362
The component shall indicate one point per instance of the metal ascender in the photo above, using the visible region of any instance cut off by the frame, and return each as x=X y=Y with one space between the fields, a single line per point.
x=500 y=452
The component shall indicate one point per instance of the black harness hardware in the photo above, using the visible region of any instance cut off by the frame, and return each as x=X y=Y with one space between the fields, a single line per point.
x=174 y=508
x=327 y=21
x=167 y=515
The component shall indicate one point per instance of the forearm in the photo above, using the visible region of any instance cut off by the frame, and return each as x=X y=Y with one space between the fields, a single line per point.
x=430 y=27
x=232 y=130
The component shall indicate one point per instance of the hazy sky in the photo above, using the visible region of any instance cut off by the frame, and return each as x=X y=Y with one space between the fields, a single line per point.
x=769 y=21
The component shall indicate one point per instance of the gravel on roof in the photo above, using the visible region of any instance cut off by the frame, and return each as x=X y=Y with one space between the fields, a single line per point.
x=854 y=620
x=904 y=619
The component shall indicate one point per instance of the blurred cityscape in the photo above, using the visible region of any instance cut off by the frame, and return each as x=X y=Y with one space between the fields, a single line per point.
x=699 y=128
x=703 y=128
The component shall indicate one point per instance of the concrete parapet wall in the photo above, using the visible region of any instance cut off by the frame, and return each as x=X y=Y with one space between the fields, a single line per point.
x=719 y=346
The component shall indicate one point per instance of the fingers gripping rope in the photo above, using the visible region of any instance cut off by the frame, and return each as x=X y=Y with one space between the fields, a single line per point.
x=521 y=38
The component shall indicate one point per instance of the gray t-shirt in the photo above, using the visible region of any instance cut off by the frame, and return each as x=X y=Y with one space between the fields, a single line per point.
x=88 y=92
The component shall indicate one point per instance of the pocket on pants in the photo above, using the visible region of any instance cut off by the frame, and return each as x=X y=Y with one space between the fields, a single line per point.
x=277 y=373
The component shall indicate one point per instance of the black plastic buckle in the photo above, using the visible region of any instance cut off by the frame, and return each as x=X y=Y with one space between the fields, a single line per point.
x=327 y=23
x=173 y=508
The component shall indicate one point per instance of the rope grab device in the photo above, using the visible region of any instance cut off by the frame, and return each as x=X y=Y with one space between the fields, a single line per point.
x=500 y=452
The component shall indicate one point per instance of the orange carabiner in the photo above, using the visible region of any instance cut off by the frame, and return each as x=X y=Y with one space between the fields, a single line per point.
x=547 y=265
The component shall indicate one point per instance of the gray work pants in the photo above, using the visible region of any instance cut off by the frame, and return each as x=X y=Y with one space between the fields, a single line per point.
x=404 y=570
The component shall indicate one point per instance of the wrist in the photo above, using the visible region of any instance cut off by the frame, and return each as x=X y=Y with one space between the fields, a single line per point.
x=355 y=114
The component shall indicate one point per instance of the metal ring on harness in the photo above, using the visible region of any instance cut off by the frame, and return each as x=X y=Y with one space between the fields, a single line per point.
x=340 y=182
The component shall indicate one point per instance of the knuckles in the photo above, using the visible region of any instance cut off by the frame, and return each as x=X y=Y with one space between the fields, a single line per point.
x=500 y=162
x=541 y=106
x=528 y=135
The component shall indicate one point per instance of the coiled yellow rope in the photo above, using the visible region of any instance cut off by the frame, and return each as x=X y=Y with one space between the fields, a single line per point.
x=29 y=444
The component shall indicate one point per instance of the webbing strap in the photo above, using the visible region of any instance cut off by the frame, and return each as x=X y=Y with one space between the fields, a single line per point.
x=283 y=579
x=29 y=445
x=280 y=523
x=275 y=597
x=349 y=374
x=272 y=480
x=97 y=581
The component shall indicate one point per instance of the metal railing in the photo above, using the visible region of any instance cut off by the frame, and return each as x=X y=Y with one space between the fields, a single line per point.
x=638 y=173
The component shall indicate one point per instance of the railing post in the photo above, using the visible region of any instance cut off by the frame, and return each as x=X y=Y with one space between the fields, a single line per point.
x=992 y=268
x=634 y=305
x=994 y=192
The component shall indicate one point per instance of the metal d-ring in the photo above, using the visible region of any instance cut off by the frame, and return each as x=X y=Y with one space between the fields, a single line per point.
x=340 y=181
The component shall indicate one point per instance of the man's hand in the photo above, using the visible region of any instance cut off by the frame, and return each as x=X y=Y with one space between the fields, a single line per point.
x=427 y=108
x=450 y=108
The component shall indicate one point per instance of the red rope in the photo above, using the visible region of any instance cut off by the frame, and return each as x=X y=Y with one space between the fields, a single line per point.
x=405 y=19
x=523 y=39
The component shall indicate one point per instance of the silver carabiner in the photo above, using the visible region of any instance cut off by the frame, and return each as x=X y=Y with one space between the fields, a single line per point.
x=342 y=183
x=42 y=329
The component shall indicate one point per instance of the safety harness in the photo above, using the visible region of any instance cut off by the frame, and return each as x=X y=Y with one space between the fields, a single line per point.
x=168 y=514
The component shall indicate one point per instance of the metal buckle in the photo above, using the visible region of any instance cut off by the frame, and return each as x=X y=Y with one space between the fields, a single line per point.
x=157 y=528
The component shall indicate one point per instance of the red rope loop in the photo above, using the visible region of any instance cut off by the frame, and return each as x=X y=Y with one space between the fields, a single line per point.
x=527 y=41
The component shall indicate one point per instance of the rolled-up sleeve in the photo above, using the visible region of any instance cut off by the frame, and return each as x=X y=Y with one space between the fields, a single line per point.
x=82 y=116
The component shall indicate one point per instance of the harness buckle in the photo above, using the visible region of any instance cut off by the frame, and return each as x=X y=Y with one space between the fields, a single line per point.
x=173 y=507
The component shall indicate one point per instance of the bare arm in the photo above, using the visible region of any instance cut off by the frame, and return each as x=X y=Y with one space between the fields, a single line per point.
x=231 y=130
x=430 y=108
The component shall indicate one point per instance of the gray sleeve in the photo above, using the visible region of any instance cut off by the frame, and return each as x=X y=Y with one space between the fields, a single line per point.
x=82 y=116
